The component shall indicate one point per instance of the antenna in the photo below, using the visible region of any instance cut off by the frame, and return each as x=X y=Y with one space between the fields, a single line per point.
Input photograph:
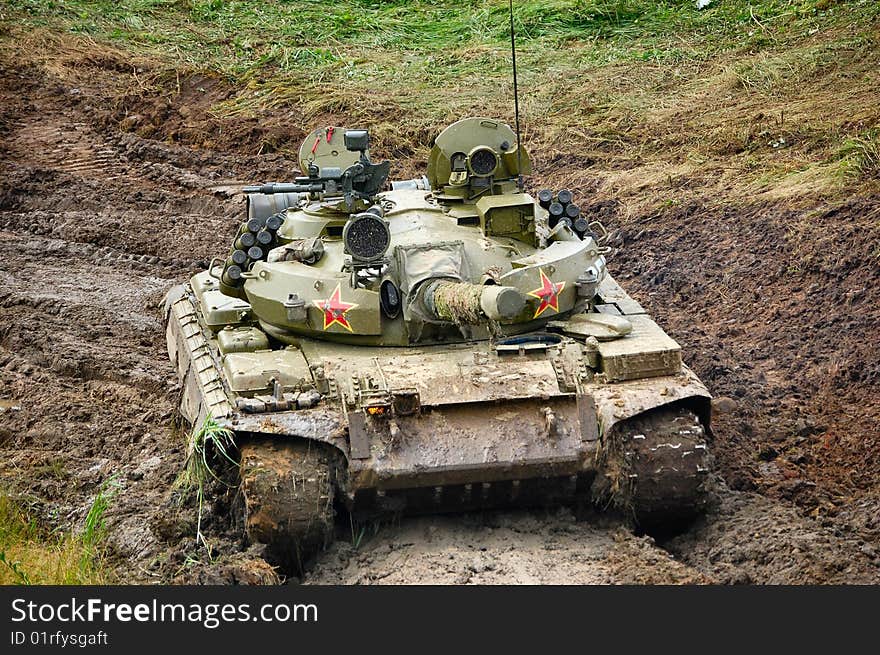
x=519 y=177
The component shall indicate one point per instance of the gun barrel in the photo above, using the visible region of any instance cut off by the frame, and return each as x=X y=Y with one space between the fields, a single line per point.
x=283 y=187
x=470 y=304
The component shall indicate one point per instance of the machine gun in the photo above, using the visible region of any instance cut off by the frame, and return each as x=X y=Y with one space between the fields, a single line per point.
x=360 y=181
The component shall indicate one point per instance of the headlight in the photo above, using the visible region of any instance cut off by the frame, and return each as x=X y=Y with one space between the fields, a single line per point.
x=366 y=237
x=482 y=161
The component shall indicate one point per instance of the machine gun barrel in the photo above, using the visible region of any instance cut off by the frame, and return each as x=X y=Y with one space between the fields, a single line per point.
x=284 y=187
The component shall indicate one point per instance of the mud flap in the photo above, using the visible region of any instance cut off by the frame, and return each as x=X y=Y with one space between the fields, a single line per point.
x=620 y=401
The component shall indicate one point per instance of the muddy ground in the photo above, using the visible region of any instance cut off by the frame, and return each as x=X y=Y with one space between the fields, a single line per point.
x=108 y=198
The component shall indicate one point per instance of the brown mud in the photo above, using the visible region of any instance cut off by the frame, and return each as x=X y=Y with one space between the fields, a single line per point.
x=109 y=197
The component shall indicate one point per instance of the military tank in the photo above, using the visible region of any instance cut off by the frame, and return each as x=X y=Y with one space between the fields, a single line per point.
x=437 y=344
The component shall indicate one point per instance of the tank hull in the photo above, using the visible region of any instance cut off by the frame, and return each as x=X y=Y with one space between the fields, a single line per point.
x=479 y=429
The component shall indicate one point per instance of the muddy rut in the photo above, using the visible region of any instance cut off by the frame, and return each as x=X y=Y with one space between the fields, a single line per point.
x=96 y=224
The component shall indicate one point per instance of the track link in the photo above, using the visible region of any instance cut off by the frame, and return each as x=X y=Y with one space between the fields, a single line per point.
x=654 y=468
x=288 y=489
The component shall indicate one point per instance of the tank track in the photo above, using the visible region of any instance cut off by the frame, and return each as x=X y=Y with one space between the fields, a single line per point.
x=654 y=468
x=287 y=488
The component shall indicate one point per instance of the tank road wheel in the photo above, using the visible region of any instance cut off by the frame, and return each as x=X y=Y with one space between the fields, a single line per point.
x=654 y=468
x=287 y=488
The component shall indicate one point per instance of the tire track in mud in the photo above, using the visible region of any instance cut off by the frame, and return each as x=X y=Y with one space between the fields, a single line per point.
x=80 y=355
x=61 y=141
x=118 y=195
x=94 y=229
x=73 y=318
x=502 y=547
x=81 y=342
x=69 y=147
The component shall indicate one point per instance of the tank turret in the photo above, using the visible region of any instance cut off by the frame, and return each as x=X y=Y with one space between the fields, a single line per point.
x=413 y=265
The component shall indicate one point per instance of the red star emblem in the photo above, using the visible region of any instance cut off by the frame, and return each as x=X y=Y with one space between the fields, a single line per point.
x=548 y=294
x=334 y=310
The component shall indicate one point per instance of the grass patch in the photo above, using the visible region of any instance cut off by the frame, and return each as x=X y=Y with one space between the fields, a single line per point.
x=621 y=83
x=860 y=155
x=442 y=41
x=781 y=71
x=32 y=554
x=208 y=442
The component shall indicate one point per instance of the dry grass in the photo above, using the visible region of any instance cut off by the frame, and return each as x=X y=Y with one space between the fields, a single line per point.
x=647 y=102
x=860 y=155
x=31 y=554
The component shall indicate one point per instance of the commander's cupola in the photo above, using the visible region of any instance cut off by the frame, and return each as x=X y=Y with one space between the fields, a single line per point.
x=474 y=168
